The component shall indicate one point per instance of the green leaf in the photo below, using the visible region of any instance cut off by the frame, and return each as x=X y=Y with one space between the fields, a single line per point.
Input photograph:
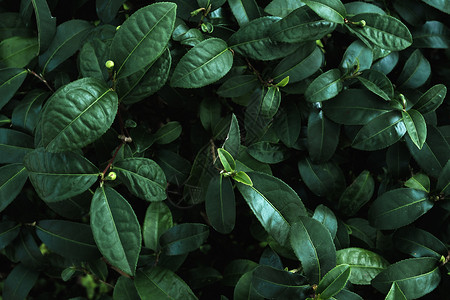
x=143 y=178
x=168 y=133
x=415 y=126
x=360 y=229
x=314 y=247
x=205 y=63
x=10 y=81
x=76 y=115
x=220 y=204
x=382 y=30
x=107 y=9
x=431 y=99
x=27 y=251
x=271 y=102
x=419 y=182
x=299 y=65
x=267 y=152
x=365 y=264
x=175 y=167
x=68 y=239
x=323 y=136
x=58 y=176
x=244 y=10
x=272 y=283
x=381 y=132
x=301 y=25
x=227 y=160
x=419 y=243
x=116 y=229
x=432 y=34
x=235 y=269
x=12 y=24
x=233 y=140
x=324 y=180
x=210 y=112
x=377 y=83
x=443 y=6
x=158 y=219
x=333 y=282
x=4 y=120
x=25 y=115
x=244 y=288
x=237 y=86
x=357 y=54
x=158 y=283
x=326 y=216
x=183 y=238
x=12 y=179
x=416 y=277
x=443 y=184
x=330 y=10
x=416 y=71
x=14 y=145
x=93 y=56
x=17 y=52
x=397 y=208
x=345 y=294
x=395 y=293
x=355 y=107
x=67 y=40
x=9 y=230
x=242 y=177
x=46 y=24
x=287 y=123
x=281 y=8
x=125 y=289
x=325 y=86
x=357 y=194
x=274 y=203
x=19 y=282
x=143 y=37
x=252 y=40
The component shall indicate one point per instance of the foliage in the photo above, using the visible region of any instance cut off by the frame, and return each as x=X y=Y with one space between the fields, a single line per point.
x=277 y=149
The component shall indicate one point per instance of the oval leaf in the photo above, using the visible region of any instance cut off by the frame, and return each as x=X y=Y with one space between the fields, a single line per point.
x=333 y=282
x=10 y=81
x=220 y=204
x=158 y=219
x=14 y=145
x=357 y=194
x=323 y=136
x=12 y=179
x=183 y=238
x=325 y=87
x=331 y=10
x=431 y=99
x=419 y=243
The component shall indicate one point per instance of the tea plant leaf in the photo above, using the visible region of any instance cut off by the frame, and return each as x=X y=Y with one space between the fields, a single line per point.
x=125 y=289
x=14 y=145
x=244 y=10
x=333 y=10
x=395 y=293
x=357 y=194
x=10 y=81
x=107 y=9
x=416 y=71
x=46 y=24
x=9 y=230
x=419 y=243
x=12 y=179
x=25 y=115
x=19 y=282
x=333 y=282
x=220 y=204
x=158 y=218
x=17 y=52
x=323 y=136
x=325 y=86
x=431 y=99
x=415 y=126
x=238 y=86
x=183 y=238
x=377 y=83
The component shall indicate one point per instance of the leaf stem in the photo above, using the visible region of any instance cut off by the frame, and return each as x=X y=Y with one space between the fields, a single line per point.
x=41 y=78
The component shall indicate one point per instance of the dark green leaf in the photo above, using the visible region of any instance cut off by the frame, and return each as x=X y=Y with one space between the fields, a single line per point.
x=331 y=10
x=14 y=145
x=244 y=10
x=323 y=136
x=143 y=37
x=365 y=264
x=419 y=243
x=107 y=9
x=12 y=179
x=395 y=293
x=209 y=111
x=159 y=283
x=167 y=133
x=326 y=216
x=12 y=24
x=175 y=167
x=226 y=159
x=10 y=81
x=116 y=229
x=432 y=34
x=19 y=282
x=357 y=194
x=419 y=182
x=271 y=102
x=158 y=219
x=333 y=282
x=183 y=238
x=270 y=258
x=68 y=239
x=143 y=178
x=17 y=52
x=357 y=54
x=443 y=184
x=125 y=289
x=398 y=208
x=220 y=204
x=416 y=277
x=233 y=140
x=415 y=72
x=314 y=247
x=238 y=86
x=325 y=86
x=46 y=24
x=281 y=8
x=25 y=115
x=387 y=63
x=9 y=230
x=431 y=99
x=359 y=228
x=267 y=152
x=415 y=126
x=287 y=123
x=345 y=294
x=236 y=269
x=93 y=56
x=377 y=83
x=439 y=4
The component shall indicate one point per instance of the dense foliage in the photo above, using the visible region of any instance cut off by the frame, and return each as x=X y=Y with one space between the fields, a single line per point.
x=224 y=149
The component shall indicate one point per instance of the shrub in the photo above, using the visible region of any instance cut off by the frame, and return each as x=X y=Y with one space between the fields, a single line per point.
x=236 y=149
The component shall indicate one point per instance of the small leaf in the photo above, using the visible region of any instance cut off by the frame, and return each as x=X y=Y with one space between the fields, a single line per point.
x=267 y=152
x=357 y=54
x=326 y=216
x=26 y=114
x=419 y=182
x=12 y=180
x=416 y=71
x=227 y=160
x=431 y=99
x=235 y=269
x=357 y=194
x=333 y=282
x=183 y=238
x=377 y=83
x=443 y=184
x=237 y=86
x=244 y=288
x=168 y=133
x=325 y=86
x=233 y=140
x=220 y=204
x=158 y=218
x=330 y=10
x=242 y=177
x=415 y=126
x=271 y=102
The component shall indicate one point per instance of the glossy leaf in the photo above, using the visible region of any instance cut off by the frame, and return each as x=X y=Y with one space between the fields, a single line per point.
x=357 y=194
x=76 y=115
x=158 y=218
x=314 y=247
x=416 y=277
x=271 y=102
x=143 y=178
x=377 y=83
x=9 y=230
x=68 y=239
x=183 y=238
x=419 y=181
x=233 y=140
x=167 y=133
x=17 y=52
x=323 y=136
x=431 y=99
x=107 y=9
x=143 y=37
x=238 y=86
x=19 y=282
x=443 y=184
x=381 y=132
x=226 y=159
x=125 y=289
x=395 y=293
x=244 y=288
x=244 y=10
x=274 y=203
x=14 y=145
x=365 y=264
x=397 y=208
x=281 y=8
x=236 y=269
x=160 y=283
x=93 y=56
x=10 y=81
x=116 y=229
x=326 y=216
x=267 y=152
x=58 y=176
x=357 y=54
x=333 y=11
x=220 y=204
x=419 y=243
x=416 y=71
x=439 y=4
x=25 y=115
x=46 y=24
x=287 y=124
x=432 y=34
x=12 y=179
x=333 y=282
x=242 y=177
x=325 y=87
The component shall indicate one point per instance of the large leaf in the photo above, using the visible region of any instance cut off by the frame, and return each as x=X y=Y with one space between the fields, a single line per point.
x=357 y=54
x=416 y=277
x=17 y=52
x=68 y=239
x=274 y=203
x=159 y=283
x=419 y=243
x=9 y=230
x=381 y=132
x=253 y=40
x=357 y=194
x=26 y=114
x=415 y=126
x=244 y=10
x=19 y=282
x=14 y=145
x=116 y=229
x=244 y=288
x=314 y=247
x=93 y=56
x=281 y=8
x=442 y=5
x=331 y=10
x=432 y=34
x=328 y=219
x=233 y=140
x=238 y=86
x=301 y=25
x=395 y=293
x=398 y=208
x=76 y=115
x=416 y=71
x=323 y=136
x=204 y=64
x=235 y=269
x=183 y=238
x=158 y=218
x=377 y=83
x=365 y=264
x=58 y=176
x=220 y=204
x=68 y=39
x=167 y=133
x=143 y=37
x=333 y=282
x=10 y=81
x=431 y=99
x=125 y=289
x=107 y=9
x=143 y=178
x=12 y=179
x=46 y=24
x=325 y=86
